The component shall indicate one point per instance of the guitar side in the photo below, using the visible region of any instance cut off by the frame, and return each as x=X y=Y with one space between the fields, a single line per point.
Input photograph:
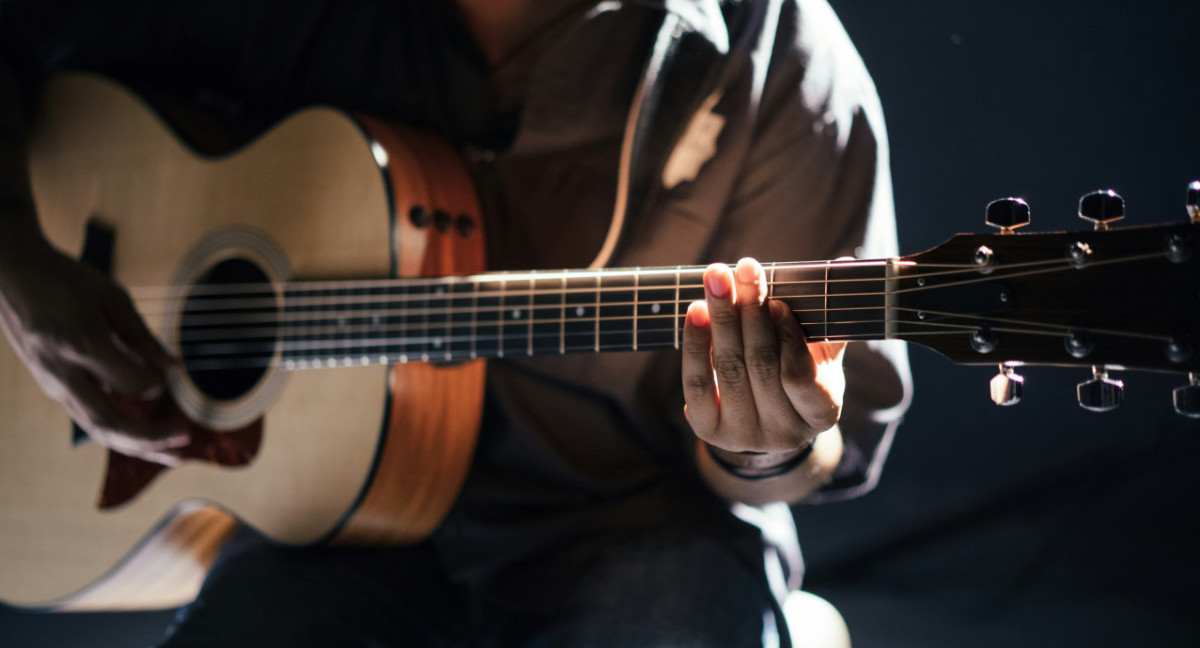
x=336 y=445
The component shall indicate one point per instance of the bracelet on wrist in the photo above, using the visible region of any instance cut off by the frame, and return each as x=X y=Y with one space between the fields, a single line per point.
x=748 y=468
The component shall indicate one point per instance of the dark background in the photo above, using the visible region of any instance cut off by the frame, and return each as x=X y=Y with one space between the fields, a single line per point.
x=1040 y=524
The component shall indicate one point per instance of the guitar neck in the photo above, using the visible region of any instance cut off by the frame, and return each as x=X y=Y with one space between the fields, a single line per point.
x=504 y=314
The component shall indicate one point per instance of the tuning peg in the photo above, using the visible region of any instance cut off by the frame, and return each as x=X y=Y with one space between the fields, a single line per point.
x=1007 y=214
x=1102 y=207
x=1187 y=398
x=1006 y=386
x=1101 y=393
x=1193 y=201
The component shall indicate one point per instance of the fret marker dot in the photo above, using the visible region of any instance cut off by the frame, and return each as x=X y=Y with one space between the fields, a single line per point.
x=654 y=308
x=403 y=358
x=364 y=361
x=346 y=362
x=383 y=359
x=516 y=314
x=290 y=364
x=437 y=343
x=579 y=311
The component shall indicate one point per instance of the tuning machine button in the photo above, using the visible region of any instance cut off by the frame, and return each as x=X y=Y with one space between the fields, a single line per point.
x=1006 y=386
x=1193 y=201
x=1187 y=398
x=1102 y=207
x=1007 y=214
x=1101 y=393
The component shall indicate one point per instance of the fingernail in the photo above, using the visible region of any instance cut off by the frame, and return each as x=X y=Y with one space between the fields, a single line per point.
x=715 y=284
x=746 y=272
x=696 y=314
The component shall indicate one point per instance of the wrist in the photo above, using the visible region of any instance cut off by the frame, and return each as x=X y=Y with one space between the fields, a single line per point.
x=758 y=465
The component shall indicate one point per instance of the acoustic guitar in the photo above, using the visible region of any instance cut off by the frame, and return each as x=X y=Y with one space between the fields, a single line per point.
x=325 y=288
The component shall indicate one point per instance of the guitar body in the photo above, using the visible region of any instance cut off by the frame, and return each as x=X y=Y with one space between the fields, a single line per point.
x=366 y=454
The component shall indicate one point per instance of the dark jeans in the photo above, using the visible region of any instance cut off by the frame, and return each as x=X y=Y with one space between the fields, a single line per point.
x=663 y=590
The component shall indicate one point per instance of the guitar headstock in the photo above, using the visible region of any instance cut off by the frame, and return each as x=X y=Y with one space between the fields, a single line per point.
x=1107 y=299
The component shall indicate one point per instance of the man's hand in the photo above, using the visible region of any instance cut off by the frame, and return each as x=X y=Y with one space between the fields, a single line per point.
x=751 y=381
x=81 y=338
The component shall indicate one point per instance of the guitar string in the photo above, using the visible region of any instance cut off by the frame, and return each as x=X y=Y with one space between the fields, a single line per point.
x=526 y=335
x=219 y=323
x=271 y=291
x=390 y=354
x=217 y=336
x=430 y=334
x=500 y=312
x=167 y=292
x=524 y=339
x=272 y=303
x=393 y=356
x=150 y=293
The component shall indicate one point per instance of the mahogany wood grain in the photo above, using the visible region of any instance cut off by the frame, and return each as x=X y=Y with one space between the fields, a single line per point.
x=435 y=409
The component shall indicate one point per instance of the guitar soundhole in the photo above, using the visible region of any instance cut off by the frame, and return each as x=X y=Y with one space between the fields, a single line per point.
x=228 y=329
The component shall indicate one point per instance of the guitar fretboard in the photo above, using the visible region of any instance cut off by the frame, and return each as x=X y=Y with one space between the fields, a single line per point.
x=506 y=314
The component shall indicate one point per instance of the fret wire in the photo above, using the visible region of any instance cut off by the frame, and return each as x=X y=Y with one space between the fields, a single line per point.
x=529 y=329
x=597 y=315
x=474 y=322
x=676 y=317
x=500 y=322
x=562 y=320
x=444 y=345
x=425 y=322
x=636 y=275
x=827 y=299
